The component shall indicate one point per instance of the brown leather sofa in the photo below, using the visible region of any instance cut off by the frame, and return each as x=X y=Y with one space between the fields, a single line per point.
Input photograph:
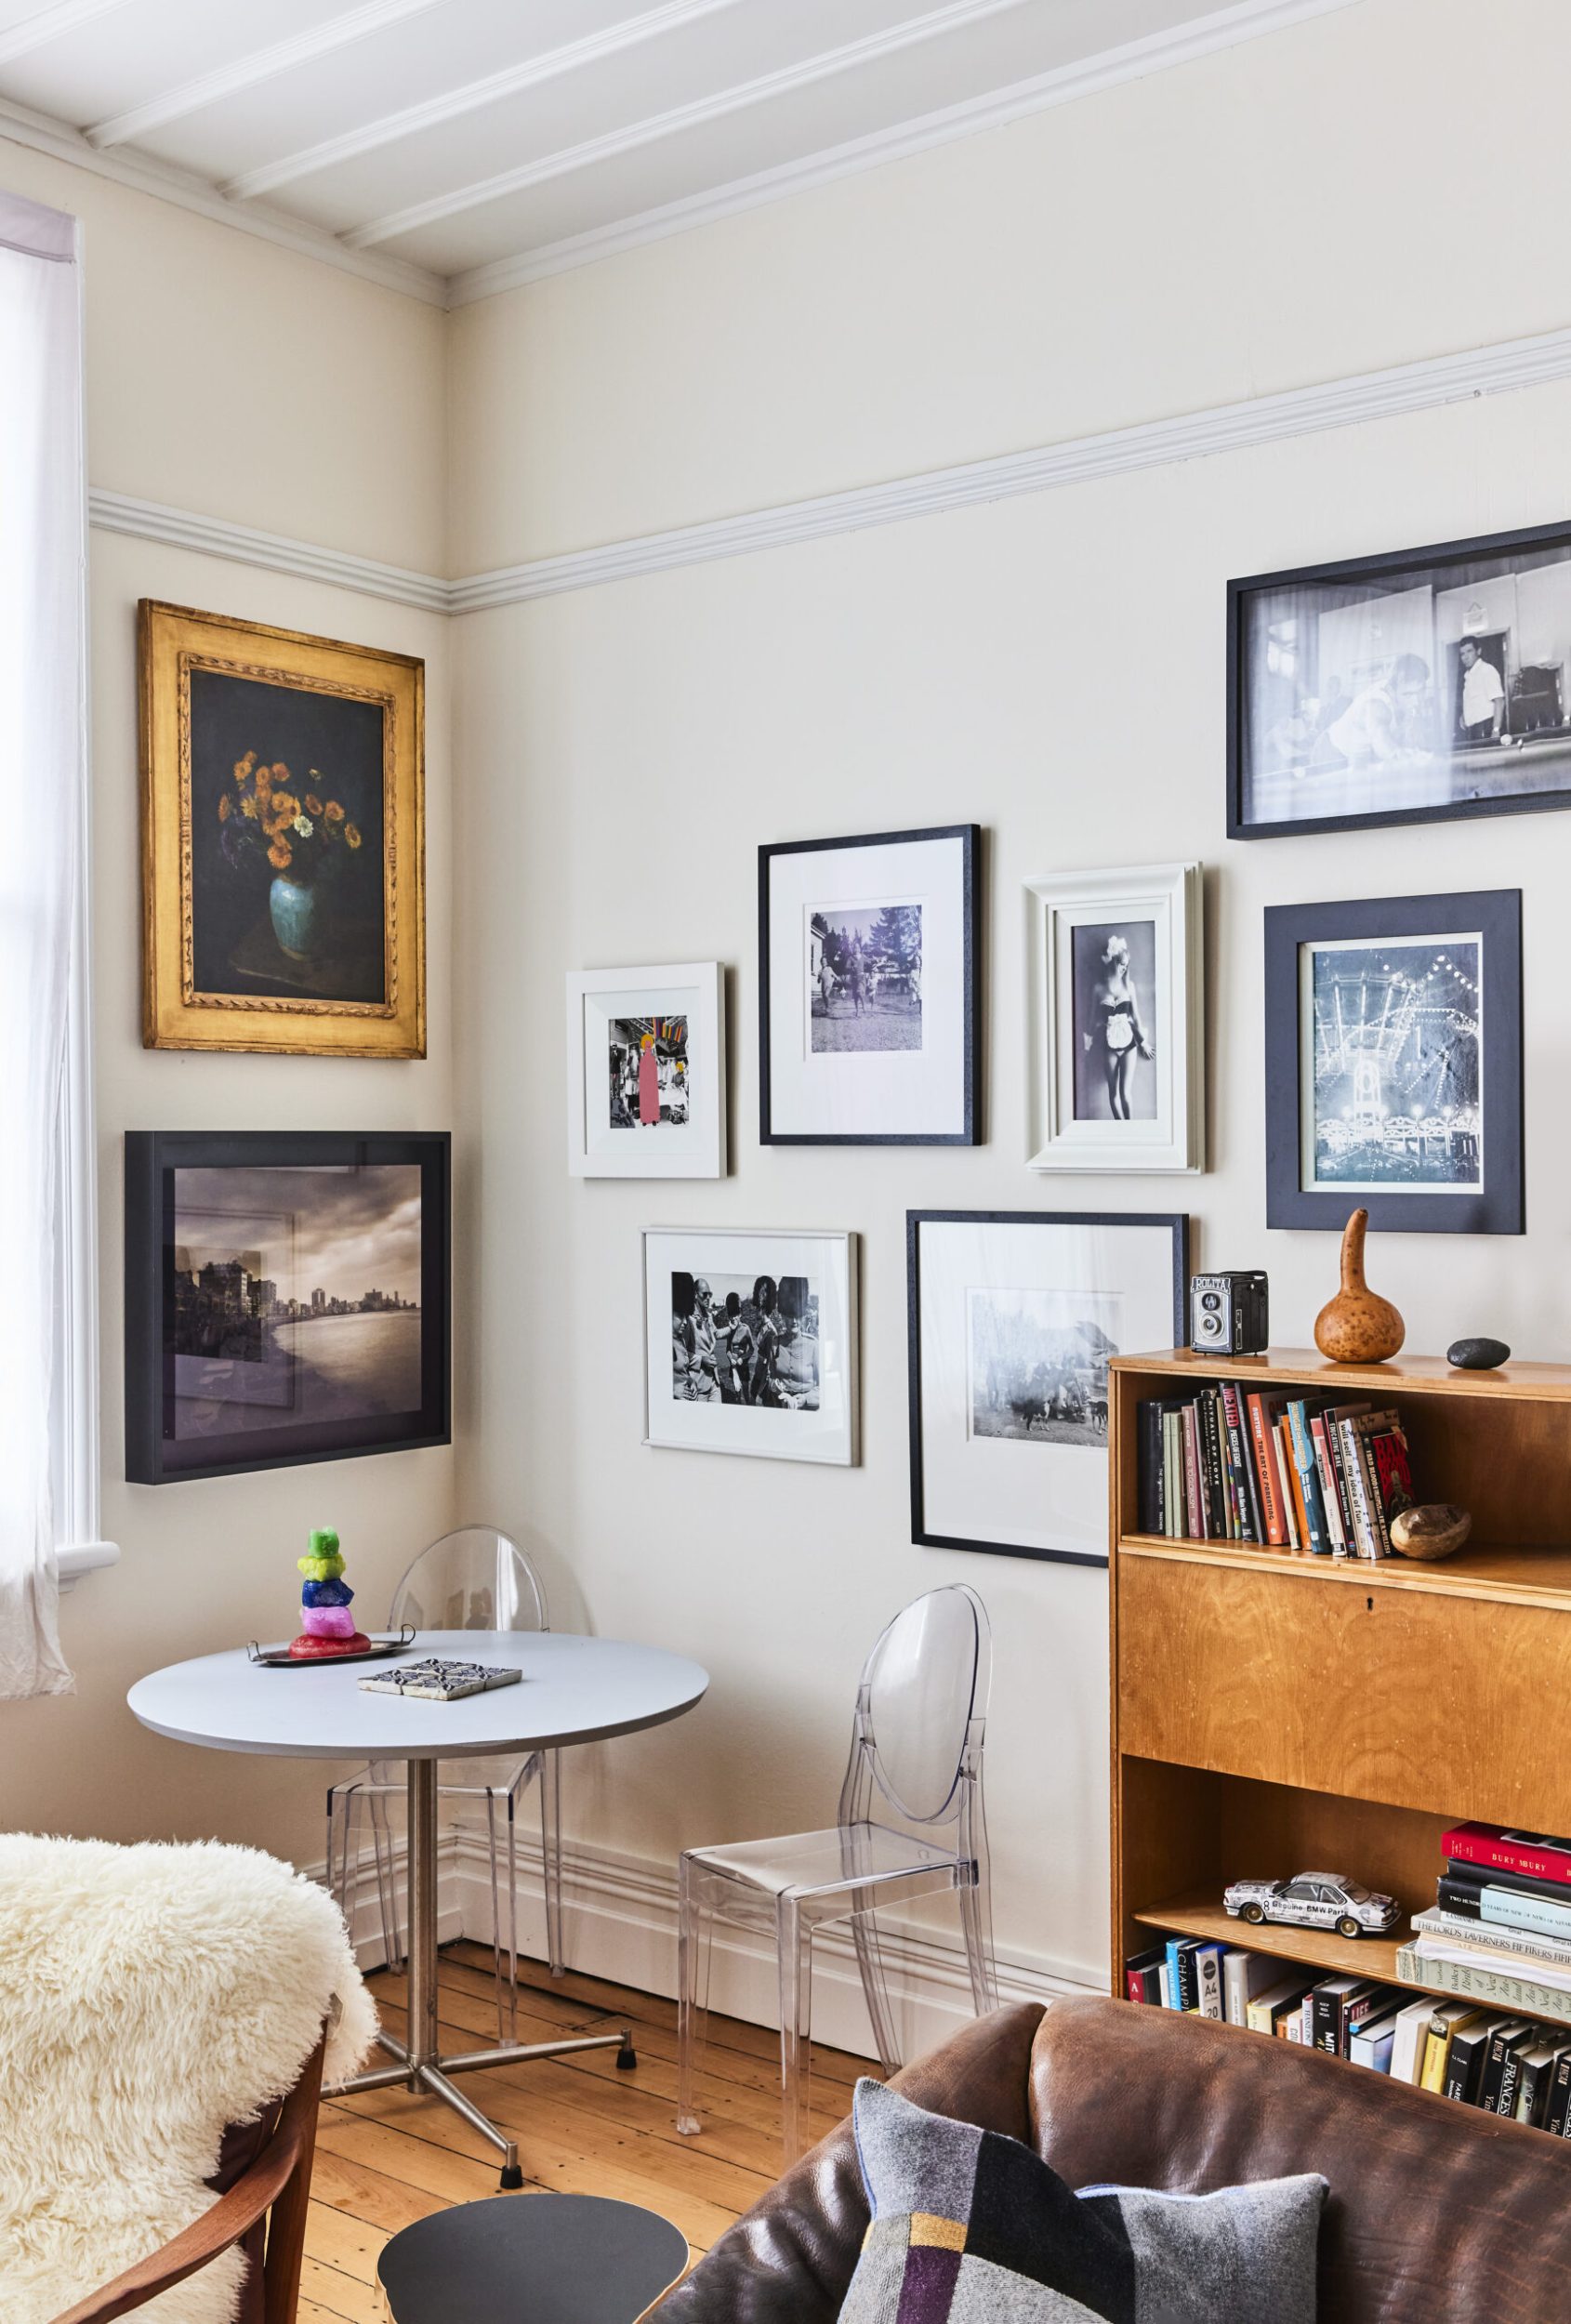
x=1437 y=2214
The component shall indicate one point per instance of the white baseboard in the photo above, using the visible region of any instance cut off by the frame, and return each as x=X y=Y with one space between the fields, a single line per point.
x=620 y=1921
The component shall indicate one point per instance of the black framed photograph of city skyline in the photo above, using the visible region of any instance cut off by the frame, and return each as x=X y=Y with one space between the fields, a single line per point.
x=869 y=1024
x=1393 y=1063
x=1416 y=687
x=286 y=1299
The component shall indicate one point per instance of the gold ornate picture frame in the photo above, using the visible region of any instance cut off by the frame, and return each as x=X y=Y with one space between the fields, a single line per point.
x=283 y=840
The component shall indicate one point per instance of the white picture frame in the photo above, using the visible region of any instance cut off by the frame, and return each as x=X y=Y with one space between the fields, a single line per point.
x=685 y=1081
x=771 y=1376
x=1107 y=1028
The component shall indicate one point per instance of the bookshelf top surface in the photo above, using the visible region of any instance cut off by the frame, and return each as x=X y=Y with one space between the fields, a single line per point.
x=1504 y=1574
x=1404 y=1374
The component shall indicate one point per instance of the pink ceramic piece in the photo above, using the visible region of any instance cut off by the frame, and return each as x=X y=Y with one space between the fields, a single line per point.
x=327 y=1621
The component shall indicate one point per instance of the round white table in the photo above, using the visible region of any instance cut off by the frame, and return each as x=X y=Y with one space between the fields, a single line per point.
x=573 y=1690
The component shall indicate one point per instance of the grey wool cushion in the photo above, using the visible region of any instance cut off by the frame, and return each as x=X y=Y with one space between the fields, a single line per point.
x=971 y=2228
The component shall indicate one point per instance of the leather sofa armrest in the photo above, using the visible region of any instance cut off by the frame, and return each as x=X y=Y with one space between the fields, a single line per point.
x=790 y=2260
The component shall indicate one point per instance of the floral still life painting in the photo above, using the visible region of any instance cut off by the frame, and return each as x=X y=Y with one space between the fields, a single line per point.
x=284 y=811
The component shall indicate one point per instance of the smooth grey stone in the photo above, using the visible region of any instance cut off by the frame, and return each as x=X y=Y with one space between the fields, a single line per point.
x=1477 y=1355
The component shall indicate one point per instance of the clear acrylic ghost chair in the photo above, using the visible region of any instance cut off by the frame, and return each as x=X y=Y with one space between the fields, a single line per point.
x=475 y=1578
x=911 y=1824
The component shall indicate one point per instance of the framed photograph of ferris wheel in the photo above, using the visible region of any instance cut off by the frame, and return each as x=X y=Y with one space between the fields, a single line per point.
x=1393 y=1063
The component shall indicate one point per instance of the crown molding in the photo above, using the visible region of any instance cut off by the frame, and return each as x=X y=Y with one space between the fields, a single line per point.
x=550 y=65
x=1497 y=370
x=19 y=124
x=1087 y=76
x=259 y=64
x=654 y=128
x=243 y=544
x=1082 y=459
x=50 y=23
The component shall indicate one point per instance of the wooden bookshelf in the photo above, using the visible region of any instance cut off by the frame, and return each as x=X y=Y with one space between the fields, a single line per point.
x=1274 y=1711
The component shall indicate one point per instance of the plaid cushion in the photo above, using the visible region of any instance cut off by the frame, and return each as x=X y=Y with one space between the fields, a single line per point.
x=971 y=2228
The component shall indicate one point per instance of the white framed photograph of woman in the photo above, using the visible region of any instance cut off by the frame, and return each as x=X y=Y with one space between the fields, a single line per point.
x=751 y=1343
x=1117 y=1019
x=646 y=1072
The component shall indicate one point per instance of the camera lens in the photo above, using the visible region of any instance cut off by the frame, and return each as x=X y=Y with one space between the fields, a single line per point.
x=1211 y=1302
x=1211 y=1325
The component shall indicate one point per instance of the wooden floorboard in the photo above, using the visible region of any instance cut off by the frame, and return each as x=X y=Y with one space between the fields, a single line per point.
x=385 y=2159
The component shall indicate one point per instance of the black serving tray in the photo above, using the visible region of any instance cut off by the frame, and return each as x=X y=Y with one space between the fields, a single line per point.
x=279 y=1658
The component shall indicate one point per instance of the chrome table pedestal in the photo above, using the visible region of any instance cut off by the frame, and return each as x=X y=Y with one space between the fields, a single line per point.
x=421 y=2066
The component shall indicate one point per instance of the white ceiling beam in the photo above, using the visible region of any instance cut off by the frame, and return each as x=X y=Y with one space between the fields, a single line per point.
x=614 y=40
x=261 y=64
x=952 y=17
x=44 y=134
x=51 y=23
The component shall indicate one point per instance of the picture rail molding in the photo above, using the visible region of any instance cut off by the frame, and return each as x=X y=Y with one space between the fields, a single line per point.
x=1504 y=368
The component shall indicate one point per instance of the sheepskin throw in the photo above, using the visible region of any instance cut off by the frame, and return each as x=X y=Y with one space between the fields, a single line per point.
x=150 y=1996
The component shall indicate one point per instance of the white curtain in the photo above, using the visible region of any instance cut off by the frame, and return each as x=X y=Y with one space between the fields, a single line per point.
x=43 y=784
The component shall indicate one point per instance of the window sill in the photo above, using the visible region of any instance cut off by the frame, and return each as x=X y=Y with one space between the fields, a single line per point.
x=85 y=1557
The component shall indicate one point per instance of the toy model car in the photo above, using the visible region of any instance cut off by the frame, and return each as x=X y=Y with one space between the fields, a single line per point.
x=1315 y=1900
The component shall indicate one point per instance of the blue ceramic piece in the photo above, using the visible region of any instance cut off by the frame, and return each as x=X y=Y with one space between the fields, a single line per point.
x=325 y=1593
x=293 y=907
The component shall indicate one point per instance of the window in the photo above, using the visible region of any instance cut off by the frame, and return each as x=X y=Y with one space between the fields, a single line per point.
x=48 y=1352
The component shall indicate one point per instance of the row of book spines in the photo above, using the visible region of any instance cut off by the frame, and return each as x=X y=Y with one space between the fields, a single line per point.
x=1515 y=2067
x=1231 y=1464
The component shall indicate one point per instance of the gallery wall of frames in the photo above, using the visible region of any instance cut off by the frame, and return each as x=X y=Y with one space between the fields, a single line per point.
x=283 y=819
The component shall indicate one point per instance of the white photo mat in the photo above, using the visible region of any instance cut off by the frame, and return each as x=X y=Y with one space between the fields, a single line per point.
x=1013 y=1317
x=598 y=1001
x=739 y=1255
x=1166 y=899
x=919 y=1091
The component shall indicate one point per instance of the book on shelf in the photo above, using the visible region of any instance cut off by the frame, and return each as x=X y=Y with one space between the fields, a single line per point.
x=1534 y=2070
x=1464 y=2067
x=1409 y=2046
x=1496 y=1939
x=1506 y=2034
x=1484 y=1986
x=1445 y=2019
x=1505 y=1903
x=1230 y=1463
x=1524 y=1855
x=1557 y=2111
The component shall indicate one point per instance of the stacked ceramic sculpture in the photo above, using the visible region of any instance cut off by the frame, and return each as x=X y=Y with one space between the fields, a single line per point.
x=326 y=1625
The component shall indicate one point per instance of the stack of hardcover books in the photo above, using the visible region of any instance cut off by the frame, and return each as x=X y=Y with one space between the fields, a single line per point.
x=1229 y=1462
x=1501 y=2059
x=1500 y=1930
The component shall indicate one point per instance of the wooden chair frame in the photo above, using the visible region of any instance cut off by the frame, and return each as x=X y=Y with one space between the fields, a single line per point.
x=278 y=2182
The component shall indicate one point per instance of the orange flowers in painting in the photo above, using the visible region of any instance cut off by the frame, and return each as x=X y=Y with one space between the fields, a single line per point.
x=305 y=833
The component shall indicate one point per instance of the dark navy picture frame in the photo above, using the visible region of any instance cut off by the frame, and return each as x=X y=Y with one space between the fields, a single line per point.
x=1495 y=915
x=1176 y=1224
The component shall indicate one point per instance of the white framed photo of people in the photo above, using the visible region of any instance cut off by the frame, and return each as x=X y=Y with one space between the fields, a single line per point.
x=646 y=1072
x=868 y=1011
x=1116 y=1020
x=1013 y=1319
x=1413 y=687
x=751 y=1343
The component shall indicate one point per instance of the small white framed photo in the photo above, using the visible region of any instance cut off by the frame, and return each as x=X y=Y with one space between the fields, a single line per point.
x=751 y=1343
x=1117 y=1018
x=646 y=1072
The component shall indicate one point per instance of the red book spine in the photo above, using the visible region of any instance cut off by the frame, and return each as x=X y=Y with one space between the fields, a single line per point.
x=1525 y=1852
x=1265 y=1471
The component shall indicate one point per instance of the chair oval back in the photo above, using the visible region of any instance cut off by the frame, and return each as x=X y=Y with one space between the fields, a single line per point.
x=475 y=1578
x=925 y=1682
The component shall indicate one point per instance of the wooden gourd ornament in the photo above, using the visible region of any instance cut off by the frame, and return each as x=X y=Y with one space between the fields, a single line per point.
x=1357 y=1326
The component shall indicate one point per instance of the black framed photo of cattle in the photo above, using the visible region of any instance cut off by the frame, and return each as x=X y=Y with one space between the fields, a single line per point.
x=868 y=998
x=1013 y=1319
x=1417 y=687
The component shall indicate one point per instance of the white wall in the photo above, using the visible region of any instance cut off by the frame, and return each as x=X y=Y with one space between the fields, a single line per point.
x=234 y=379
x=1052 y=668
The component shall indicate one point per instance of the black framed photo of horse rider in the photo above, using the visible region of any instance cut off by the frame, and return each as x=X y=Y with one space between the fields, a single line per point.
x=1415 y=687
x=869 y=1025
x=1393 y=1063
x=1014 y=1317
x=1117 y=1019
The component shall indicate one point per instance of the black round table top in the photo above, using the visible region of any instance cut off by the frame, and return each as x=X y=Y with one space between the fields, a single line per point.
x=530 y=2259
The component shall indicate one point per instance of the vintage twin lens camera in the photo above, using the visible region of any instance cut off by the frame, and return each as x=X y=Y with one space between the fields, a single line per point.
x=1228 y=1314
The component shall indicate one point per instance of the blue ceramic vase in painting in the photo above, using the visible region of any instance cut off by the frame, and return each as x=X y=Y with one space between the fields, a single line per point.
x=294 y=909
